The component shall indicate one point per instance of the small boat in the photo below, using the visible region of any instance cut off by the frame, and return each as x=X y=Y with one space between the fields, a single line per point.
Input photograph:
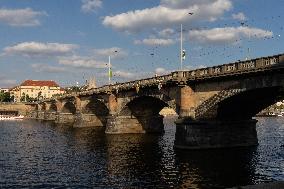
x=11 y=117
x=281 y=114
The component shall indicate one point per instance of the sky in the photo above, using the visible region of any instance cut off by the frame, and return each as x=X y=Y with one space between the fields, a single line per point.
x=70 y=41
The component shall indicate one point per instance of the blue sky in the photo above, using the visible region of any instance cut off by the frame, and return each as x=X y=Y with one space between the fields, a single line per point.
x=69 y=41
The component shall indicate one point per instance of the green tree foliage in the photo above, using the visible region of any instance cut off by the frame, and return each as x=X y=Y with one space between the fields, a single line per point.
x=5 y=97
x=72 y=89
x=23 y=98
x=39 y=95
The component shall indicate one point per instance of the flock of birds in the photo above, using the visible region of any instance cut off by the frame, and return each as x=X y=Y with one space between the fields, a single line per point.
x=195 y=54
x=241 y=46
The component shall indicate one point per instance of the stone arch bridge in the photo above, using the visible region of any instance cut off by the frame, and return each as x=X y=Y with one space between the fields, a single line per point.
x=215 y=105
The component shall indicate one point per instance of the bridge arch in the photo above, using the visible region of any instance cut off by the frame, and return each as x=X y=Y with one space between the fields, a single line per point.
x=98 y=109
x=69 y=107
x=53 y=107
x=141 y=114
x=143 y=105
x=245 y=105
x=162 y=98
x=237 y=104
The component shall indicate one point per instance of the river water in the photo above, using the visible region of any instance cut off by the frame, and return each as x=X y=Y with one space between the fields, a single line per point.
x=42 y=155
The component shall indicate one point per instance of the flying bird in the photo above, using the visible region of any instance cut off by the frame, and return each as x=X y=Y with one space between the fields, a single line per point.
x=190 y=13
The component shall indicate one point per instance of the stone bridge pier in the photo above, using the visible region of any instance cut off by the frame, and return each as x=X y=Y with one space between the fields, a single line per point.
x=224 y=111
x=90 y=111
x=139 y=115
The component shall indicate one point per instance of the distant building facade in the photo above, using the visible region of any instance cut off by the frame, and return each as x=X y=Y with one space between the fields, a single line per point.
x=4 y=90
x=35 y=89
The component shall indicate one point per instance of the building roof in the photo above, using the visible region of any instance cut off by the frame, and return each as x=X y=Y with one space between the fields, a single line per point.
x=39 y=83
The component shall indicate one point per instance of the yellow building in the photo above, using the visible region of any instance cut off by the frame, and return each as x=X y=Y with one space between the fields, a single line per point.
x=35 y=89
x=4 y=90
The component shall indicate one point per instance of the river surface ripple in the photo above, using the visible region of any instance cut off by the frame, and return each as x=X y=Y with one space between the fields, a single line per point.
x=42 y=155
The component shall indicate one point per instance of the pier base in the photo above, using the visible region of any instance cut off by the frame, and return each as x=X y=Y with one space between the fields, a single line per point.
x=50 y=116
x=40 y=115
x=88 y=120
x=32 y=115
x=65 y=118
x=215 y=134
x=132 y=124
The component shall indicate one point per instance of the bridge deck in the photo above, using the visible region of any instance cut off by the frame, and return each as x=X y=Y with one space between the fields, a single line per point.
x=236 y=68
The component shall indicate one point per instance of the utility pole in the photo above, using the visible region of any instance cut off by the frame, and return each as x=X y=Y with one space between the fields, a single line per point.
x=109 y=70
x=181 y=49
x=248 y=54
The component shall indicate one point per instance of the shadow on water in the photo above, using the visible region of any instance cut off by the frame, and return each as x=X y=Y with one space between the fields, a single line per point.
x=218 y=168
x=117 y=161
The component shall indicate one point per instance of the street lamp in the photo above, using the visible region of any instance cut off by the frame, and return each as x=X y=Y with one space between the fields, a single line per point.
x=109 y=69
x=182 y=51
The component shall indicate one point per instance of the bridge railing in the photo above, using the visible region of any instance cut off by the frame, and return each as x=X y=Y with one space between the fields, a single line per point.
x=235 y=68
x=130 y=84
x=240 y=67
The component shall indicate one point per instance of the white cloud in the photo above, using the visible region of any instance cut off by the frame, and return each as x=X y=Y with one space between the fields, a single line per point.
x=32 y=49
x=239 y=16
x=114 y=52
x=48 y=68
x=123 y=74
x=183 y=3
x=154 y=41
x=82 y=62
x=160 y=71
x=227 y=35
x=91 y=5
x=167 y=33
x=20 y=17
x=168 y=13
x=6 y=82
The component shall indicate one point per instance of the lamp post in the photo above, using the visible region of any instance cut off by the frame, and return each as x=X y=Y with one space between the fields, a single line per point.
x=181 y=49
x=109 y=69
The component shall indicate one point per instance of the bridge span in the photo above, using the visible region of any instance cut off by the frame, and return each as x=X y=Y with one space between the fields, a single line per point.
x=215 y=105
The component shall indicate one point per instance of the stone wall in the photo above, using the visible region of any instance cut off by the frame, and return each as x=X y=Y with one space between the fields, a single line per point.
x=22 y=109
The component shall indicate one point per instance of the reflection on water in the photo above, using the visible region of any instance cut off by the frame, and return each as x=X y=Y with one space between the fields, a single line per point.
x=34 y=154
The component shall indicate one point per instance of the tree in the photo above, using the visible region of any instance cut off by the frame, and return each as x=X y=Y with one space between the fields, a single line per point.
x=1 y=96
x=73 y=89
x=28 y=99
x=5 y=97
x=39 y=95
x=23 y=98
x=12 y=98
